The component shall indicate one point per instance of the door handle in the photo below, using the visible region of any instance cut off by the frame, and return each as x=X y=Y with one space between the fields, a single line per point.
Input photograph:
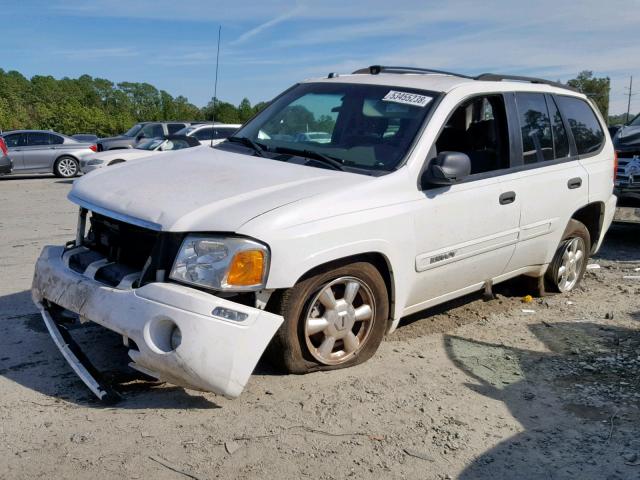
x=507 y=197
x=574 y=183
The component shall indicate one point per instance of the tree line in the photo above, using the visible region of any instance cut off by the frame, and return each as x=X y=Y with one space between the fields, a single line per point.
x=100 y=106
x=97 y=105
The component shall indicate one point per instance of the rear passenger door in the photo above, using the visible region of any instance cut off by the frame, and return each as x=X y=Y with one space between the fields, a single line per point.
x=548 y=182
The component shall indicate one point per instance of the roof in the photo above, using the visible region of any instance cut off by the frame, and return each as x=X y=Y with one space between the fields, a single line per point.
x=444 y=82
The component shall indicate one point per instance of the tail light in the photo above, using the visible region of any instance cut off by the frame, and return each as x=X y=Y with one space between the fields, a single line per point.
x=93 y=148
x=3 y=147
x=615 y=166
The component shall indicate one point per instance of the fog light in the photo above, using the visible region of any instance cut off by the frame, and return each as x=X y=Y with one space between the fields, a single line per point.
x=229 y=314
x=176 y=338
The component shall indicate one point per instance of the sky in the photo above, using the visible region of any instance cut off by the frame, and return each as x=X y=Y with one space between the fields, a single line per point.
x=267 y=45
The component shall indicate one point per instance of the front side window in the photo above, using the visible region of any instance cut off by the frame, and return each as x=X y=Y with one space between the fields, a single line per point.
x=151 y=144
x=133 y=131
x=478 y=128
x=584 y=124
x=16 y=140
x=153 y=130
x=537 y=139
x=364 y=127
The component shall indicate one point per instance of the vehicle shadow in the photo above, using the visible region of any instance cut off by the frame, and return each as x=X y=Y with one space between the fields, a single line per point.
x=578 y=403
x=29 y=358
x=26 y=176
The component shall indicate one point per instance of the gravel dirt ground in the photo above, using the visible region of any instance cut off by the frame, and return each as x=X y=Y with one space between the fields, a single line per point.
x=471 y=390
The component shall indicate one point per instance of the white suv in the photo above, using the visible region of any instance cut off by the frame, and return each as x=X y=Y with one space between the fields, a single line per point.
x=431 y=186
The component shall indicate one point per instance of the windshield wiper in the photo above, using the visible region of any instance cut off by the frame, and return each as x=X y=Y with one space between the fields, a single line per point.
x=335 y=163
x=247 y=142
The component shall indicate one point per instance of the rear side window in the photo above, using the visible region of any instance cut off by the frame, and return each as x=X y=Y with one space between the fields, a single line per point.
x=560 y=137
x=38 y=138
x=204 y=133
x=584 y=124
x=224 y=133
x=174 y=127
x=55 y=139
x=537 y=140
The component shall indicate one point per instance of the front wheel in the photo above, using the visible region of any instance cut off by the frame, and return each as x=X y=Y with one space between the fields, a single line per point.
x=570 y=261
x=65 y=167
x=334 y=319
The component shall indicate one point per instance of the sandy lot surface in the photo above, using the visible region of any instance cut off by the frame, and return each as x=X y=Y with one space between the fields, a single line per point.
x=472 y=390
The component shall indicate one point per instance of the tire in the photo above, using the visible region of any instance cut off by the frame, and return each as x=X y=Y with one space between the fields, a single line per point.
x=570 y=260
x=296 y=347
x=66 y=167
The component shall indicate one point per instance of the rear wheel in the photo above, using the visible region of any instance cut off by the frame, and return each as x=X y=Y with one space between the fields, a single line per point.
x=334 y=319
x=66 y=167
x=570 y=261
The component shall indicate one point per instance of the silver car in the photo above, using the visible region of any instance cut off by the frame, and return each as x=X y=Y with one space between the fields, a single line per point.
x=42 y=151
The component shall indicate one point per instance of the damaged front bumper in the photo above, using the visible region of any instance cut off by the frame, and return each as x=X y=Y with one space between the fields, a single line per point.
x=212 y=353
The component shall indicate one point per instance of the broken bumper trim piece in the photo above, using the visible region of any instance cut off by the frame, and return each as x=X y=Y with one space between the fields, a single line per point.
x=178 y=337
x=77 y=360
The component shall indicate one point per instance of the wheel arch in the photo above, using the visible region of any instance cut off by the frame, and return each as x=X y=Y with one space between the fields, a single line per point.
x=592 y=216
x=379 y=260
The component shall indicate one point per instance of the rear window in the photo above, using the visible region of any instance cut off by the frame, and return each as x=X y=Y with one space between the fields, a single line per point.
x=584 y=124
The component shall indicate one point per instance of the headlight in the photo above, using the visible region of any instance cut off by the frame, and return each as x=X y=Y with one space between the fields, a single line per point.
x=231 y=263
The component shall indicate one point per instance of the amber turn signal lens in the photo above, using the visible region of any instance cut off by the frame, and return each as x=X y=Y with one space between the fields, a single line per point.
x=246 y=268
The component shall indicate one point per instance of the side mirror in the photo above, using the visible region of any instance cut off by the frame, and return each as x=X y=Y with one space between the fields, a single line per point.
x=447 y=169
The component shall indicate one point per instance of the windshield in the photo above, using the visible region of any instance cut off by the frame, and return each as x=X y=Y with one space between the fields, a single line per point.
x=367 y=127
x=133 y=131
x=635 y=122
x=150 y=144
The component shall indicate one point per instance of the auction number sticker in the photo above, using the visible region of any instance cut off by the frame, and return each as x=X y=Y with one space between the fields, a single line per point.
x=407 y=98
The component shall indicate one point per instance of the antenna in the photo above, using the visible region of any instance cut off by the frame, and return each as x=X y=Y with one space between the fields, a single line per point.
x=215 y=88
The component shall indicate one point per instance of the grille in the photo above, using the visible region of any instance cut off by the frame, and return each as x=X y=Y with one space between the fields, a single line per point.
x=121 y=249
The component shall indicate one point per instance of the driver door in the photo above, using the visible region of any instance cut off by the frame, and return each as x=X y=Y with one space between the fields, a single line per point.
x=466 y=233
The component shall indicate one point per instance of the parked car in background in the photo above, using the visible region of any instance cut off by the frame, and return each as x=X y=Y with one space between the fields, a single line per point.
x=314 y=137
x=6 y=165
x=85 y=137
x=141 y=131
x=144 y=149
x=627 y=144
x=44 y=151
x=208 y=133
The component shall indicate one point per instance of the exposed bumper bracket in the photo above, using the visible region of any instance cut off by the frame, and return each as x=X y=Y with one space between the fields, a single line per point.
x=78 y=360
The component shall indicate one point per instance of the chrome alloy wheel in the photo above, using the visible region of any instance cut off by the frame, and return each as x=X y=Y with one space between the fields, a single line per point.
x=339 y=320
x=67 y=167
x=573 y=258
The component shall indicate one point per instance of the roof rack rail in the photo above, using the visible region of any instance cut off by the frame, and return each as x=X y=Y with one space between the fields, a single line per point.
x=495 y=77
x=376 y=69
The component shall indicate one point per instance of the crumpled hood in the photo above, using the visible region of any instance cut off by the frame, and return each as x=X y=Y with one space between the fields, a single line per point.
x=202 y=189
x=627 y=136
